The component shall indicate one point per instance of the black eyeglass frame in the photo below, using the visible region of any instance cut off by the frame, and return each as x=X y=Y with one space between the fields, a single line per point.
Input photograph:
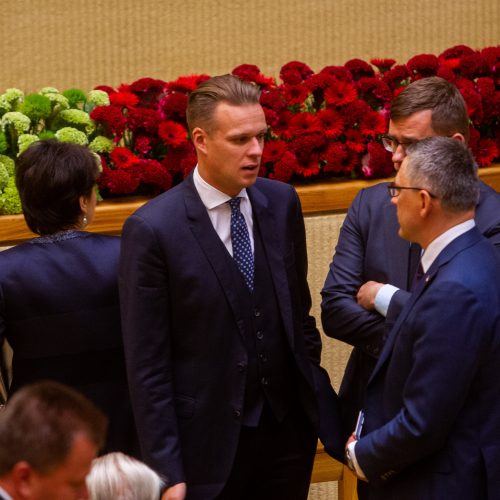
x=388 y=140
x=395 y=190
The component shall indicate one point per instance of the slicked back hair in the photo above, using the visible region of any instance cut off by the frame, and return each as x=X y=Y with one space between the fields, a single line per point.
x=224 y=88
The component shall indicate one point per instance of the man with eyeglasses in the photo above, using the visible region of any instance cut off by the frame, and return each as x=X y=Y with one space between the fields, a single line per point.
x=433 y=401
x=373 y=268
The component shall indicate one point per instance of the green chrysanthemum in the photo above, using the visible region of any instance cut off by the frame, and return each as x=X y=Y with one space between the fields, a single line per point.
x=76 y=118
x=46 y=134
x=4 y=145
x=13 y=95
x=10 y=203
x=59 y=102
x=75 y=97
x=20 y=122
x=98 y=98
x=4 y=177
x=101 y=144
x=70 y=134
x=48 y=90
x=36 y=107
x=26 y=140
x=8 y=163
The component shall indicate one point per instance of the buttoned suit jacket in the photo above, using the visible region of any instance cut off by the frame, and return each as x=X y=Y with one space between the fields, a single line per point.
x=369 y=248
x=183 y=329
x=60 y=312
x=433 y=402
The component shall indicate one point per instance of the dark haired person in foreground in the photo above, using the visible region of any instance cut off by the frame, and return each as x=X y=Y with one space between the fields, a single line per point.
x=59 y=305
x=222 y=353
x=49 y=435
x=372 y=269
x=431 y=428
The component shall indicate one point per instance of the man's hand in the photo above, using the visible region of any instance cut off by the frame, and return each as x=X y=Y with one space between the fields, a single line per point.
x=367 y=293
x=351 y=439
x=175 y=492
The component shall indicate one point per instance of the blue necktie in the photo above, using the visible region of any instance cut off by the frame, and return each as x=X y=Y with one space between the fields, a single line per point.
x=242 y=250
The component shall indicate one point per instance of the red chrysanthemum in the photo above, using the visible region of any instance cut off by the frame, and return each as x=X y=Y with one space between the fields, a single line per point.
x=172 y=133
x=423 y=65
x=282 y=126
x=126 y=99
x=122 y=157
x=173 y=107
x=105 y=88
x=173 y=161
x=354 y=111
x=340 y=93
x=285 y=167
x=142 y=144
x=144 y=85
x=355 y=141
x=304 y=123
x=118 y=182
x=374 y=91
x=332 y=122
x=485 y=152
x=153 y=173
x=295 y=94
x=111 y=118
x=251 y=73
x=295 y=72
x=472 y=99
x=273 y=99
x=273 y=151
x=446 y=73
x=383 y=65
x=378 y=162
x=338 y=72
x=186 y=83
x=359 y=68
x=334 y=158
x=143 y=120
x=396 y=76
x=372 y=124
x=474 y=65
x=456 y=52
x=306 y=146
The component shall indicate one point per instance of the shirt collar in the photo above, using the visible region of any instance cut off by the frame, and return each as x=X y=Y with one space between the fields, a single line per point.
x=443 y=240
x=4 y=494
x=210 y=196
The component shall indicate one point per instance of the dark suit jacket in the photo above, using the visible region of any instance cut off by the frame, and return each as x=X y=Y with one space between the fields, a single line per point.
x=183 y=328
x=433 y=402
x=59 y=310
x=369 y=248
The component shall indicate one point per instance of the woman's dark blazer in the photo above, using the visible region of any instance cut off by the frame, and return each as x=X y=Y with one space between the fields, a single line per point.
x=59 y=310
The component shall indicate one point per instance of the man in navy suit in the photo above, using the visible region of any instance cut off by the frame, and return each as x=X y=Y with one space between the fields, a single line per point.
x=357 y=308
x=222 y=354
x=431 y=427
x=49 y=435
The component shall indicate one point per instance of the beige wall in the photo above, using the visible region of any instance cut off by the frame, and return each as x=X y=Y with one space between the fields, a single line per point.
x=83 y=43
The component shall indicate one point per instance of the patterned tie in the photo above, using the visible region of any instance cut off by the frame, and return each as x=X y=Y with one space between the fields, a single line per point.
x=242 y=251
x=418 y=277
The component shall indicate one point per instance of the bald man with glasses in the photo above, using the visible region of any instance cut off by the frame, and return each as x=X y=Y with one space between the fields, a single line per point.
x=373 y=268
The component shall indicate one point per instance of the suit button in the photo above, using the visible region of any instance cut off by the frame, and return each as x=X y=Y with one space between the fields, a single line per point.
x=241 y=367
x=256 y=313
x=264 y=381
x=260 y=335
x=236 y=413
x=262 y=357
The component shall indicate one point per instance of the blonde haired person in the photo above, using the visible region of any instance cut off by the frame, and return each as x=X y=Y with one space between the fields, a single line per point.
x=120 y=477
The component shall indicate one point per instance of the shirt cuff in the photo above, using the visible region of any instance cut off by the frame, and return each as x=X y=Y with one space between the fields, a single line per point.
x=352 y=454
x=383 y=299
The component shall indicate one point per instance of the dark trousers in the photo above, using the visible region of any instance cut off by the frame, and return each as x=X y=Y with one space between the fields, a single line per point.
x=273 y=461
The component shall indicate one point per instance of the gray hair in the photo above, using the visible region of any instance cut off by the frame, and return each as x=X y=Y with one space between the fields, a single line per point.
x=447 y=169
x=121 y=477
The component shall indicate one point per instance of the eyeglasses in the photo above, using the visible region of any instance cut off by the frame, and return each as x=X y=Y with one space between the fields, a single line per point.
x=391 y=144
x=394 y=190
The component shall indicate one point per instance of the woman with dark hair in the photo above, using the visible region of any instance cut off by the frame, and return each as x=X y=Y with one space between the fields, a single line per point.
x=59 y=306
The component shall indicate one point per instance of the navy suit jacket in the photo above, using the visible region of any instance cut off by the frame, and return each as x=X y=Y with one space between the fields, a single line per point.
x=369 y=248
x=183 y=328
x=432 y=409
x=59 y=310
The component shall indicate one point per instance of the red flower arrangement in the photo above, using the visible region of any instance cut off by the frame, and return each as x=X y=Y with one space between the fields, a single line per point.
x=321 y=125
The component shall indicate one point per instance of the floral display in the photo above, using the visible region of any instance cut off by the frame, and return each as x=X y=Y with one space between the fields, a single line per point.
x=47 y=114
x=321 y=125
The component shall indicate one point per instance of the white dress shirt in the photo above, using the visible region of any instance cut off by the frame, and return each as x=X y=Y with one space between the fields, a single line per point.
x=4 y=494
x=219 y=211
x=428 y=257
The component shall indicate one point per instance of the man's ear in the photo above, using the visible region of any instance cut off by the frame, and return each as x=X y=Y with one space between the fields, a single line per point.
x=426 y=203
x=23 y=477
x=199 y=137
x=459 y=137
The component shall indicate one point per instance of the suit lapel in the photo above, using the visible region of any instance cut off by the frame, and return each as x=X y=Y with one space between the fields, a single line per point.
x=464 y=241
x=266 y=222
x=213 y=248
